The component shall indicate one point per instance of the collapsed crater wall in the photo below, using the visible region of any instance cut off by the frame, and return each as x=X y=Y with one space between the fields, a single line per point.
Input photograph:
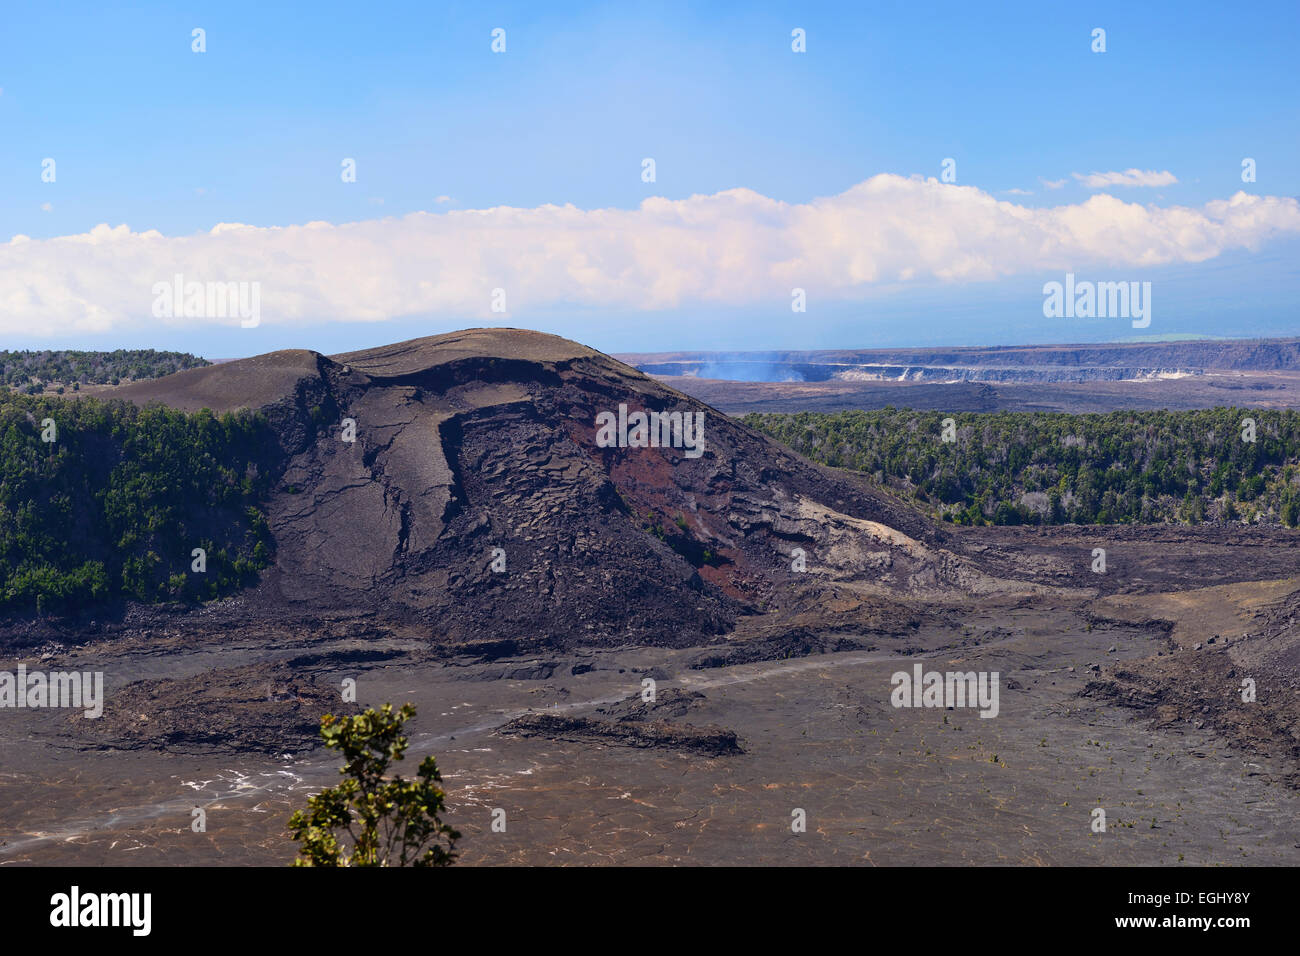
x=476 y=503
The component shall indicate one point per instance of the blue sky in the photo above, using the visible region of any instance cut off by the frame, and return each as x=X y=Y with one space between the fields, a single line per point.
x=150 y=135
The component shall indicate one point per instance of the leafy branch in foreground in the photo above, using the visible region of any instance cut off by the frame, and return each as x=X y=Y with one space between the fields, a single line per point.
x=388 y=822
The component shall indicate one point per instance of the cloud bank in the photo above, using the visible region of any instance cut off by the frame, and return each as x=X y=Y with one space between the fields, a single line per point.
x=732 y=248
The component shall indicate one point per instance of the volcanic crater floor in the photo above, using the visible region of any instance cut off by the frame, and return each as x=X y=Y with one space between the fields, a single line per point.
x=878 y=785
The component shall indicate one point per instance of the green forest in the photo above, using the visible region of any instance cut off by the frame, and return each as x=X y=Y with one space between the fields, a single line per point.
x=1043 y=468
x=61 y=371
x=103 y=500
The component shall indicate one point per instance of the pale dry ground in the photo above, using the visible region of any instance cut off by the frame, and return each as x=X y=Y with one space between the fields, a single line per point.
x=1226 y=609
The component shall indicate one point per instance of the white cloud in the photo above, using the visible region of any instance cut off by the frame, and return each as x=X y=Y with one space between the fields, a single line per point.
x=1130 y=177
x=731 y=248
x=1052 y=183
x=1019 y=192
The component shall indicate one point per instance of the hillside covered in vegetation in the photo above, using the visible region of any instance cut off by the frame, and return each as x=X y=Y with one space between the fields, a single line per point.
x=103 y=500
x=34 y=372
x=1040 y=468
